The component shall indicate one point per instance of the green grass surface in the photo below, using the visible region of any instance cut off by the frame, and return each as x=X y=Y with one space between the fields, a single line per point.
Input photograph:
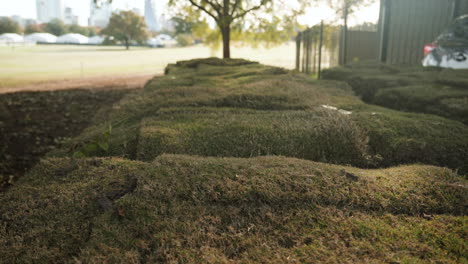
x=140 y=203
x=254 y=110
x=181 y=209
x=443 y=92
x=27 y=64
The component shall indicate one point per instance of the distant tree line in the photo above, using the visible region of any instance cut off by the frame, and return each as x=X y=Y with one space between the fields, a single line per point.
x=55 y=27
x=247 y=21
x=126 y=27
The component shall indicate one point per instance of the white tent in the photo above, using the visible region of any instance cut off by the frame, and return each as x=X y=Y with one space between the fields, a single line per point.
x=11 y=38
x=96 y=40
x=165 y=40
x=154 y=42
x=41 y=37
x=73 y=38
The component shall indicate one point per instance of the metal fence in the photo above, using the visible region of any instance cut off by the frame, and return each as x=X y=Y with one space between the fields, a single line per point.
x=318 y=47
x=331 y=43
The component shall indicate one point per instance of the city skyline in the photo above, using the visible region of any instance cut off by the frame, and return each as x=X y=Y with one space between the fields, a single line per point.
x=26 y=9
x=47 y=10
x=151 y=15
x=99 y=16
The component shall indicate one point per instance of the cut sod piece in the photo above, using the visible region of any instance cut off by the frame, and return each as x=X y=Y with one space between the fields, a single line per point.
x=181 y=209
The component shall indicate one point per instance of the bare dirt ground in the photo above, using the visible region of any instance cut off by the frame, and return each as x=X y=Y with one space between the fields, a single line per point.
x=112 y=82
x=37 y=118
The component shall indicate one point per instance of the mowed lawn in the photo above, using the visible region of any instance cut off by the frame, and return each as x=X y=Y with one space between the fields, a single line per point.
x=28 y=64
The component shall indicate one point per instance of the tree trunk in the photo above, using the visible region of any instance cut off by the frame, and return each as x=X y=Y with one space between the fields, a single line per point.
x=226 y=33
x=127 y=44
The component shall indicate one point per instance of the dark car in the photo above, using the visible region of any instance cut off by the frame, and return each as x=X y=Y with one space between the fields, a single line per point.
x=450 y=50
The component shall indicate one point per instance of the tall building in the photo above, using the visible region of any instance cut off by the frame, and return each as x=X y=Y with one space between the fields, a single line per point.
x=150 y=15
x=49 y=9
x=100 y=15
x=69 y=17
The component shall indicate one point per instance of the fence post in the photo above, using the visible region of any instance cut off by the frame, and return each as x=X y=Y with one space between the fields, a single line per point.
x=314 y=58
x=308 y=51
x=345 y=35
x=384 y=31
x=319 y=74
x=455 y=10
x=304 y=50
x=298 y=51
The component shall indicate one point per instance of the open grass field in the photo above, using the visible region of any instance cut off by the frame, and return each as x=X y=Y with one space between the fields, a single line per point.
x=30 y=64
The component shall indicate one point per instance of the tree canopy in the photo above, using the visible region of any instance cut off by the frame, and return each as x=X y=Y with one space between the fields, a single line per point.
x=8 y=25
x=267 y=17
x=182 y=26
x=350 y=5
x=56 y=27
x=127 y=27
x=78 y=29
x=32 y=28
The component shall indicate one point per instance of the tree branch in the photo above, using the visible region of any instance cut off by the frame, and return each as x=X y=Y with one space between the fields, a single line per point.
x=216 y=6
x=235 y=6
x=245 y=12
x=202 y=8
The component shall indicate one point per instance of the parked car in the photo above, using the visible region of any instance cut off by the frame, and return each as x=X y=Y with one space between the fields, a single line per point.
x=450 y=49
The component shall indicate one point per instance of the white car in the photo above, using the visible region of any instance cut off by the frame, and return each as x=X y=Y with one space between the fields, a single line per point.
x=450 y=50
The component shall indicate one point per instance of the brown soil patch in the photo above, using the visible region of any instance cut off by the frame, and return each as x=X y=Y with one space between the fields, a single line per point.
x=101 y=82
x=34 y=123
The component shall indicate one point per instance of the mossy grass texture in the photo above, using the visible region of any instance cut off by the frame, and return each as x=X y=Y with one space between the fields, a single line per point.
x=185 y=209
x=442 y=92
x=236 y=108
x=209 y=165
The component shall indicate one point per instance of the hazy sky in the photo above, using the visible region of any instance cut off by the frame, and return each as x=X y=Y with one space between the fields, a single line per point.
x=27 y=9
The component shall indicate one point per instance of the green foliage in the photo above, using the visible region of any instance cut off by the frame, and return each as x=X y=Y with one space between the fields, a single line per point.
x=92 y=31
x=55 y=27
x=8 y=25
x=127 y=27
x=78 y=29
x=184 y=40
x=33 y=28
x=182 y=26
x=236 y=20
